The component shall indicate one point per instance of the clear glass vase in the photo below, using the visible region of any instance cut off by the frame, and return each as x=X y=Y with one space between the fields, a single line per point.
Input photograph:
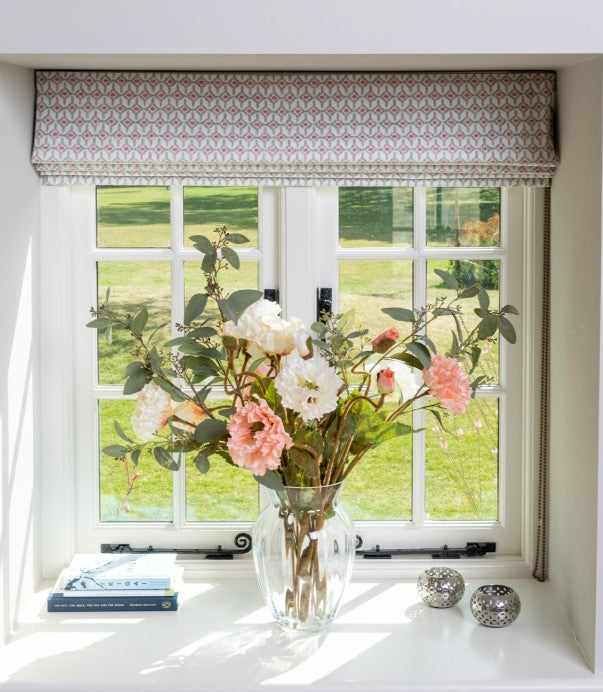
x=303 y=548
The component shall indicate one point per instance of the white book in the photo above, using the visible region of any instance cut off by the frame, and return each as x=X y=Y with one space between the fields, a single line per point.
x=126 y=571
x=174 y=587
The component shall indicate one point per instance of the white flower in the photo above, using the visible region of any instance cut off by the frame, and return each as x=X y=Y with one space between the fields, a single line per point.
x=308 y=387
x=262 y=325
x=408 y=380
x=301 y=336
x=152 y=411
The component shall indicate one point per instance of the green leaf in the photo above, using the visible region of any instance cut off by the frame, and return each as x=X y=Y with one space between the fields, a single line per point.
x=239 y=301
x=201 y=461
x=470 y=291
x=109 y=335
x=161 y=326
x=237 y=238
x=475 y=354
x=178 y=341
x=231 y=257
x=399 y=314
x=210 y=430
x=507 y=330
x=202 y=243
x=510 y=309
x=208 y=263
x=427 y=341
x=115 y=451
x=171 y=389
x=438 y=416
x=165 y=459
x=139 y=321
x=227 y=412
x=134 y=367
x=447 y=278
x=479 y=312
x=99 y=323
x=136 y=382
x=120 y=432
x=409 y=359
x=202 y=332
x=107 y=294
x=319 y=328
x=484 y=299
x=135 y=456
x=270 y=480
x=487 y=327
x=196 y=306
x=420 y=352
x=439 y=312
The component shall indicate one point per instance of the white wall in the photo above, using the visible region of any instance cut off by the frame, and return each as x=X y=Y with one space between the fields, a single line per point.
x=353 y=27
x=19 y=187
x=575 y=350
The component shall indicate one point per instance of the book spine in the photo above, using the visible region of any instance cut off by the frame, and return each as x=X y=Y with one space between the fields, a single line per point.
x=62 y=604
x=117 y=593
x=127 y=583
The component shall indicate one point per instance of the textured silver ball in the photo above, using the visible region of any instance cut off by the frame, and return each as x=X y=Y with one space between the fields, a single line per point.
x=441 y=587
x=495 y=605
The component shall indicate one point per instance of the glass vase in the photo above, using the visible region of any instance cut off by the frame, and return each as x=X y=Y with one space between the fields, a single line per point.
x=303 y=548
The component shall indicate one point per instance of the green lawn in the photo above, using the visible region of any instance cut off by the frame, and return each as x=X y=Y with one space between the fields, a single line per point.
x=461 y=468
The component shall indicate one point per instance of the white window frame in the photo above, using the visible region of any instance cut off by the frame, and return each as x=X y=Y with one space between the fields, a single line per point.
x=308 y=216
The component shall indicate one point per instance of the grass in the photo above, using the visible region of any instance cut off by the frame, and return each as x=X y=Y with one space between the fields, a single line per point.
x=461 y=468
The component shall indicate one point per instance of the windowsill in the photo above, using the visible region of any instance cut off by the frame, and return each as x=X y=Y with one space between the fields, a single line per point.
x=222 y=637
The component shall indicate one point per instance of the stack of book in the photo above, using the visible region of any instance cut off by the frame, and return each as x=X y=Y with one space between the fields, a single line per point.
x=117 y=582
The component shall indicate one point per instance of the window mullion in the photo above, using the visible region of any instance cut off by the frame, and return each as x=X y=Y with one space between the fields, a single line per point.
x=177 y=231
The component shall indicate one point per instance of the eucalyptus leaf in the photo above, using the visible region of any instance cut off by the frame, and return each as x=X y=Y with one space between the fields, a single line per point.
x=239 y=301
x=270 y=480
x=427 y=341
x=420 y=352
x=470 y=291
x=121 y=433
x=135 y=456
x=210 y=430
x=409 y=359
x=399 y=314
x=484 y=299
x=135 y=382
x=201 y=461
x=99 y=323
x=139 y=321
x=202 y=332
x=115 y=451
x=231 y=257
x=165 y=459
x=202 y=243
x=208 y=264
x=195 y=307
x=134 y=367
x=487 y=327
x=447 y=278
x=171 y=389
x=237 y=238
x=510 y=309
x=507 y=330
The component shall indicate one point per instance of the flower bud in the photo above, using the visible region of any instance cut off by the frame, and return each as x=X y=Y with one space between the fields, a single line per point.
x=385 y=340
x=303 y=342
x=230 y=336
x=386 y=381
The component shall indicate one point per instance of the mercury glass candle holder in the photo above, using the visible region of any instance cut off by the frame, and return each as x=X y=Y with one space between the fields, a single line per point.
x=441 y=587
x=495 y=605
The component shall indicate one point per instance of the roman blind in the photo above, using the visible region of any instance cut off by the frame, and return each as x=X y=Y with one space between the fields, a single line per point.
x=215 y=128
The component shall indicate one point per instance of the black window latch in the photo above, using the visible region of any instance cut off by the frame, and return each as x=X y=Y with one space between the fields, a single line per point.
x=474 y=549
x=242 y=542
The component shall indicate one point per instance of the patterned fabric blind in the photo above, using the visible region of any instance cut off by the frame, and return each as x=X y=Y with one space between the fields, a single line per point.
x=445 y=129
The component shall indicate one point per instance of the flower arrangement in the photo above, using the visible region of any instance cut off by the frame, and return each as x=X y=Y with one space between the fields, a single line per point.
x=306 y=404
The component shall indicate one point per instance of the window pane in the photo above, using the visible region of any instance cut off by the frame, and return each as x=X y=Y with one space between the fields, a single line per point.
x=375 y=217
x=133 y=217
x=461 y=468
x=369 y=285
x=463 y=217
x=206 y=208
x=132 y=284
x=487 y=272
x=150 y=498
x=380 y=487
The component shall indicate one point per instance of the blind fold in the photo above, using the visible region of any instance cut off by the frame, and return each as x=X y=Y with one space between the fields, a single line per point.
x=444 y=129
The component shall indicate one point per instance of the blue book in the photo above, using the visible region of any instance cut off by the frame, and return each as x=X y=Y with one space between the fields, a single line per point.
x=106 y=604
x=121 y=571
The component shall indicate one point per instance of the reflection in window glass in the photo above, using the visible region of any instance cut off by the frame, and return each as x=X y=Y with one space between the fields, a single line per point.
x=461 y=468
x=132 y=284
x=487 y=273
x=463 y=217
x=206 y=208
x=375 y=216
x=151 y=496
x=366 y=286
x=133 y=217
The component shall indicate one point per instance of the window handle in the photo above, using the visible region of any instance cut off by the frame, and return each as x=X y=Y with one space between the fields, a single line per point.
x=324 y=302
x=271 y=294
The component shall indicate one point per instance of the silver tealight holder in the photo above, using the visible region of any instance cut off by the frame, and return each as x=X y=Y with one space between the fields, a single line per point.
x=495 y=605
x=441 y=587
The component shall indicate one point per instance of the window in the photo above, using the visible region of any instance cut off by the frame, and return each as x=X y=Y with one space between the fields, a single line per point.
x=375 y=247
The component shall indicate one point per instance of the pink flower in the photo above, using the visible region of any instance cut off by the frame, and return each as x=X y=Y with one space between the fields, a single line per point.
x=478 y=424
x=385 y=340
x=459 y=432
x=386 y=381
x=443 y=443
x=257 y=437
x=448 y=383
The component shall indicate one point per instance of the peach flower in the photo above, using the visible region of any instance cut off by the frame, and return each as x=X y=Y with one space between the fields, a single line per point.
x=257 y=437
x=187 y=416
x=386 y=381
x=385 y=340
x=448 y=383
